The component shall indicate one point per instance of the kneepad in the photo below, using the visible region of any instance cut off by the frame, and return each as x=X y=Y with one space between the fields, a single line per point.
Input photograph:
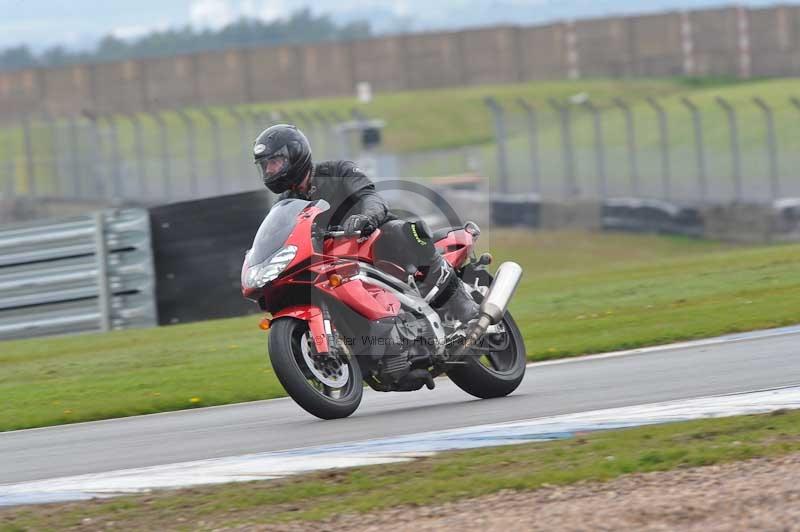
x=420 y=231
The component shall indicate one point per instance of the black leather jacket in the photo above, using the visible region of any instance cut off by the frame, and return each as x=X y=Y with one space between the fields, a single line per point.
x=348 y=190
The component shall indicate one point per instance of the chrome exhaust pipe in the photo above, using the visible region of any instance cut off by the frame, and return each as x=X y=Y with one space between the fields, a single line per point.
x=505 y=283
x=494 y=304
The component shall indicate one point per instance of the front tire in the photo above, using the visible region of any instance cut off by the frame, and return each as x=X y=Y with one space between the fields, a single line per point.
x=329 y=388
x=488 y=374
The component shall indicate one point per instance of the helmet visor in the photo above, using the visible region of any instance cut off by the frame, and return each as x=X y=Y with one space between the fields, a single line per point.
x=273 y=166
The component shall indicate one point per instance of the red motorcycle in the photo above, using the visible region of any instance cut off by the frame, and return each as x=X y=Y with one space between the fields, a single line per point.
x=340 y=316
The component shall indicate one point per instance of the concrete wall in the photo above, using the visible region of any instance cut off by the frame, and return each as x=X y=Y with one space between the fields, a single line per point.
x=656 y=45
x=715 y=42
x=543 y=52
x=725 y=42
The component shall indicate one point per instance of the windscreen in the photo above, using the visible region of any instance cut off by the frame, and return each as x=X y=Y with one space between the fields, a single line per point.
x=276 y=228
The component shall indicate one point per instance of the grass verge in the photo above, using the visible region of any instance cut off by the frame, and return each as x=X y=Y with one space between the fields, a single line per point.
x=599 y=456
x=582 y=292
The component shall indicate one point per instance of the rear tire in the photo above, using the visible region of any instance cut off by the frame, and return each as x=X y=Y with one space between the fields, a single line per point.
x=304 y=384
x=496 y=375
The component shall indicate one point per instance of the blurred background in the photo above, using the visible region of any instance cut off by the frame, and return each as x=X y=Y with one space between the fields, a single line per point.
x=675 y=117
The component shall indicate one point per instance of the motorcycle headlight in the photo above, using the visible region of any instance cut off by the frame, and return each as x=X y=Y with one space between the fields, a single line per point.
x=259 y=275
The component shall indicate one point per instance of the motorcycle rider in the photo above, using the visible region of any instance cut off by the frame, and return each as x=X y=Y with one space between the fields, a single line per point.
x=283 y=156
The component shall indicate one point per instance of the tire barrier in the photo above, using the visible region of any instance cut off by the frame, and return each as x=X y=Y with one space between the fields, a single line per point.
x=524 y=211
x=787 y=216
x=198 y=249
x=651 y=216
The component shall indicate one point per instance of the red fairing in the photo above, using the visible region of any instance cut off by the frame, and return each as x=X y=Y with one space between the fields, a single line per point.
x=456 y=247
x=299 y=237
x=311 y=270
x=351 y=247
x=316 y=323
x=370 y=301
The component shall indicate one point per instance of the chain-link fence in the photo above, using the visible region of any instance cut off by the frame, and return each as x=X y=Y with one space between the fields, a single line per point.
x=152 y=157
x=700 y=150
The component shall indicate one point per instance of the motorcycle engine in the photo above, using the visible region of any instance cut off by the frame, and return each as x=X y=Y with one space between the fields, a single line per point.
x=413 y=343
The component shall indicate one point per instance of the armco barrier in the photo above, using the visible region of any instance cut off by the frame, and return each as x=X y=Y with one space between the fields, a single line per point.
x=198 y=249
x=82 y=274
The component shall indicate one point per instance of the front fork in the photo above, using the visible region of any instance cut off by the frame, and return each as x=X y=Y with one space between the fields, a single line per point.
x=319 y=323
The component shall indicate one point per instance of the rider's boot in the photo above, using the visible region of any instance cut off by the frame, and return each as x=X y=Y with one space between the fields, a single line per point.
x=445 y=292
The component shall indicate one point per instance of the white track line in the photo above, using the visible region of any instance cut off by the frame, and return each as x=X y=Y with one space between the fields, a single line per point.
x=276 y=464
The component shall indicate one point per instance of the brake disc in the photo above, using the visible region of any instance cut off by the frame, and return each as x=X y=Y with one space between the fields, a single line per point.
x=327 y=369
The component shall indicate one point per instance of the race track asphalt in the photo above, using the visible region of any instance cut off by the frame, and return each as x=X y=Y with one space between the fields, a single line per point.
x=768 y=360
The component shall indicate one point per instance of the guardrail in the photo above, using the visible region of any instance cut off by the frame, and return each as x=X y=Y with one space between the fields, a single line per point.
x=84 y=274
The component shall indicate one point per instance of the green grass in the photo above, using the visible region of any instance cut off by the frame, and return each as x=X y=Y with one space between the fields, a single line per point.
x=581 y=293
x=599 y=456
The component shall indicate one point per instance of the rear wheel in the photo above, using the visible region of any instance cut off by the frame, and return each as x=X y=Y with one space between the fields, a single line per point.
x=496 y=367
x=327 y=386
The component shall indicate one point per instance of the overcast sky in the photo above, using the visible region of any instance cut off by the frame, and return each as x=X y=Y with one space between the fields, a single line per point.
x=78 y=24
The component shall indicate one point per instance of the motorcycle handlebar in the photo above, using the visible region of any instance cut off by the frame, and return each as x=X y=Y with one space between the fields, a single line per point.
x=338 y=232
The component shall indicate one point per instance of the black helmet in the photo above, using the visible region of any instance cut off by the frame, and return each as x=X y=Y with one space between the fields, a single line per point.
x=283 y=157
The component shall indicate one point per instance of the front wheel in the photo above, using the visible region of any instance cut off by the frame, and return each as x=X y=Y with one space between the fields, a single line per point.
x=326 y=386
x=496 y=366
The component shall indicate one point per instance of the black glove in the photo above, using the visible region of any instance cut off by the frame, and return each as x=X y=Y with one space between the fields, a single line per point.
x=359 y=224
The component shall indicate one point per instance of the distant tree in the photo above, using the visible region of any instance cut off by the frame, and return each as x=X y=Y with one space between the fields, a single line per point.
x=17 y=57
x=55 y=56
x=112 y=49
x=300 y=28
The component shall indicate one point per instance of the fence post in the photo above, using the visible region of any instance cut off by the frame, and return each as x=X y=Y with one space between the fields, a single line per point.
x=533 y=139
x=599 y=148
x=567 y=148
x=103 y=290
x=138 y=147
x=702 y=178
x=74 y=158
x=217 y=140
x=163 y=137
x=326 y=131
x=247 y=145
x=115 y=166
x=29 y=165
x=7 y=170
x=736 y=159
x=51 y=125
x=772 y=147
x=255 y=122
x=630 y=132
x=307 y=125
x=663 y=133
x=96 y=154
x=9 y=186
x=501 y=136
x=191 y=150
